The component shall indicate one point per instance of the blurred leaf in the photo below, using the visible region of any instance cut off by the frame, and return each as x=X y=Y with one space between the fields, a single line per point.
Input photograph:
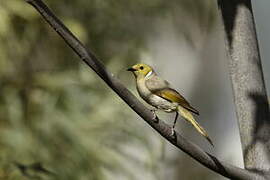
x=55 y=110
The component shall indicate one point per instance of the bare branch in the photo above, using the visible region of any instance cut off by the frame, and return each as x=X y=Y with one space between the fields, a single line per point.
x=162 y=128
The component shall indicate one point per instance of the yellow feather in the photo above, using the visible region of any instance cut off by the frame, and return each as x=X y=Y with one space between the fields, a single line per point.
x=173 y=96
x=188 y=116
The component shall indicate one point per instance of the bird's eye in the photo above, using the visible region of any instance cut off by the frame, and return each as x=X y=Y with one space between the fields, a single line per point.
x=141 y=67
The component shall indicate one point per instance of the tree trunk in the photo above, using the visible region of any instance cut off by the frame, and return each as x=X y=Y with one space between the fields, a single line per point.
x=248 y=84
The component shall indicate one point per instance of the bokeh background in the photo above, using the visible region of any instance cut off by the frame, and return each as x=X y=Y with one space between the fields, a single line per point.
x=55 y=111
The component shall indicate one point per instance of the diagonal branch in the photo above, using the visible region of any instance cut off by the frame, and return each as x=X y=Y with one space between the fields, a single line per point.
x=162 y=128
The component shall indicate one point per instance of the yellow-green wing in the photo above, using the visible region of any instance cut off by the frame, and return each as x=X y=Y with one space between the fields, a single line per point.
x=173 y=96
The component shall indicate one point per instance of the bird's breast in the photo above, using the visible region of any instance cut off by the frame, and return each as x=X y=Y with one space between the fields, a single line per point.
x=153 y=99
x=144 y=92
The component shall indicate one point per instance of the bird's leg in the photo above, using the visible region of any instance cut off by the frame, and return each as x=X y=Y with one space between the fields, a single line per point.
x=175 y=119
x=155 y=118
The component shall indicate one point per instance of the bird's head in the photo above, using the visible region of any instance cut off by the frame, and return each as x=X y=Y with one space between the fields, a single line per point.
x=141 y=70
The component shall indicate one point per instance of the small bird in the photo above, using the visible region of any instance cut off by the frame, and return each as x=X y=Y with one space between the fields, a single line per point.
x=158 y=93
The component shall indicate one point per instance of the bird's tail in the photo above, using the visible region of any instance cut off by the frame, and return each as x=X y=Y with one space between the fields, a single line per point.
x=189 y=117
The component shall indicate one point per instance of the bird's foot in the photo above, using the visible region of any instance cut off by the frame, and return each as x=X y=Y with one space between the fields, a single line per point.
x=172 y=132
x=155 y=117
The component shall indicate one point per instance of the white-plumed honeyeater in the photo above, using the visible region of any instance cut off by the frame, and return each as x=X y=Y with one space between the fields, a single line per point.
x=158 y=93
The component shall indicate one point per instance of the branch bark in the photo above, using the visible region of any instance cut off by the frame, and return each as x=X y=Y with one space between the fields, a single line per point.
x=162 y=128
x=248 y=83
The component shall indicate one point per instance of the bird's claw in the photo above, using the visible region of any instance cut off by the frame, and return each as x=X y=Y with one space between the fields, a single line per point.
x=173 y=133
x=155 y=118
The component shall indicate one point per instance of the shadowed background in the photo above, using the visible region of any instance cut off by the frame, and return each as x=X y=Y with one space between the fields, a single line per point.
x=55 y=111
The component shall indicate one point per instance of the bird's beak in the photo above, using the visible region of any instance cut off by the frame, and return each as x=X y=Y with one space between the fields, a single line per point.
x=131 y=69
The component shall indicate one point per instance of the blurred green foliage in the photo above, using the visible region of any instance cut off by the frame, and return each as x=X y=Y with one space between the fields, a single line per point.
x=53 y=109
